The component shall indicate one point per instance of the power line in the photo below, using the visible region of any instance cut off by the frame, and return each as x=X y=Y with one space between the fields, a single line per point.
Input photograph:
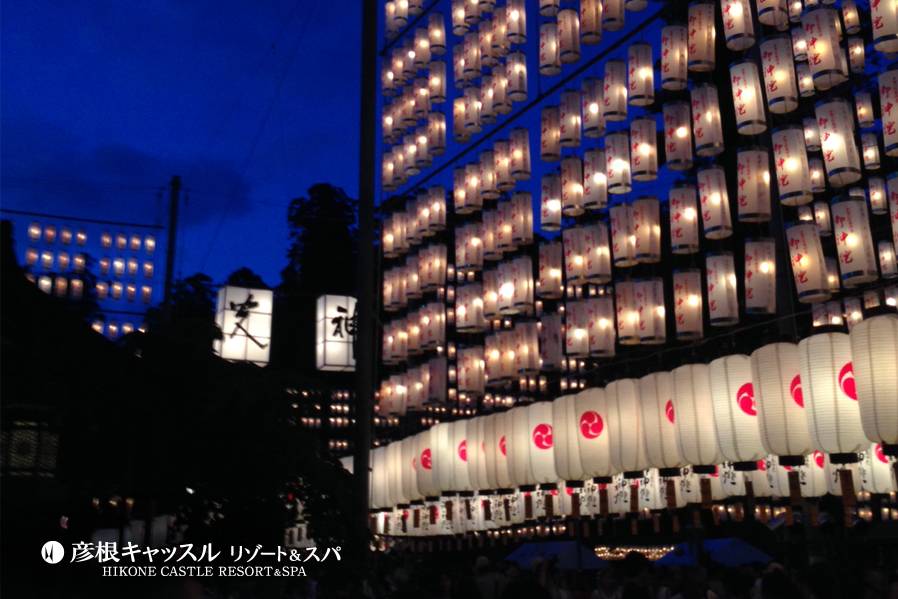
x=81 y=219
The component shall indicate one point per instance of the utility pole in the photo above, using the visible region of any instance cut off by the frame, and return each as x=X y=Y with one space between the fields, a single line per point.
x=174 y=199
x=366 y=278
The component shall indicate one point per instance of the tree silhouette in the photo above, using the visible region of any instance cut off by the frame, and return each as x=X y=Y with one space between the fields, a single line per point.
x=245 y=277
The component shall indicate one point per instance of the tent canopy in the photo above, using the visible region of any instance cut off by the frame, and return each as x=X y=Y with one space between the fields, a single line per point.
x=565 y=554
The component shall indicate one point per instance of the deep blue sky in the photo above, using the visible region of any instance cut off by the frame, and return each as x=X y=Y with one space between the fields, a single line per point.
x=102 y=101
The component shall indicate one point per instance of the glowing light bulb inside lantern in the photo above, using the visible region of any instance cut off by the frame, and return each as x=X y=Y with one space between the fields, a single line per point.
x=555 y=273
x=715 y=198
x=645 y=72
x=851 y=240
x=578 y=260
x=515 y=15
x=461 y=311
x=554 y=205
x=693 y=300
x=731 y=279
x=579 y=334
x=494 y=354
x=659 y=310
x=593 y=108
x=645 y=149
x=603 y=323
x=766 y=266
x=791 y=164
x=388 y=120
x=633 y=316
x=620 y=164
x=506 y=290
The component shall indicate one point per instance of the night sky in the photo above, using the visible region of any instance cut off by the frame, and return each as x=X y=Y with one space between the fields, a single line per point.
x=250 y=102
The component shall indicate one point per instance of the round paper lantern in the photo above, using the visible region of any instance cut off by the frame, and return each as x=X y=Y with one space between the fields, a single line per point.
x=884 y=16
x=644 y=154
x=628 y=453
x=549 y=58
x=627 y=315
x=677 y=136
x=378 y=478
x=566 y=431
x=874 y=352
x=877 y=471
x=595 y=183
x=498 y=433
x=854 y=243
x=701 y=36
x=541 y=445
x=614 y=92
x=753 y=184
x=706 y=128
x=410 y=467
x=687 y=286
x=476 y=447
x=683 y=203
x=824 y=53
x=747 y=99
x=715 y=203
x=735 y=414
x=779 y=74
x=808 y=266
x=591 y=21
x=673 y=57
x=623 y=239
x=569 y=35
x=760 y=276
x=658 y=418
x=791 y=160
x=780 y=400
x=840 y=155
x=830 y=395
x=696 y=435
x=640 y=75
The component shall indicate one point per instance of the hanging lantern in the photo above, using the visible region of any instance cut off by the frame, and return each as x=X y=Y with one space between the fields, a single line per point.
x=683 y=219
x=593 y=107
x=887 y=264
x=595 y=183
x=870 y=149
x=773 y=13
x=489 y=189
x=575 y=255
x=549 y=284
x=569 y=119
x=799 y=44
x=617 y=162
x=627 y=314
x=550 y=134
x=874 y=347
x=696 y=435
x=647 y=229
x=815 y=170
x=436 y=33
x=527 y=352
x=520 y=154
x=550 y=342
x=576 y=338
x=487 y=106
x=644 y=155
x=856 y=60
x=779 y=74
x=808 y=266
x=863 y=108
x=436 y=132
x=567 y=449
x=805 y=80
x=780 y=400
x=628 y=453
x=824 y=52
x=569 y=35
x=706 y=127
x=244 y=317
x=888 y=101
x=597 y=253
x=571 y=186
x=753 y=185
x=601 y=326
x=490 y=293
x=735 y=416
x=516 y=74
x=521 y=219
x=591 y=416
x=884 y=16
x=840 y=153
x=422 y=48
x=469 y=309
x=877 y=472
x=747 y=100
x=614 y=91
x=623 y=239
x=811 y=134
x=760 y=276
x=834 y=421
x=518 y=448
x=549 y=57
x=715 y=203
x=738 y=29
x=687 y=287
x=502 y=156
x=640 y=75
x=471 y=371
x=506 y=289
x=504 y=241
x=723 y=303
x=832 y=278
x=892 y=192
x=877 y=192
x=591 y=21
x=791 y=160
x=854 y=244
x=658 y=418
x=701 y=36
x=673 y=57
x=469 y=248
x=550 y=202
x=677 y=136
x=649 y=295
x=613 y=15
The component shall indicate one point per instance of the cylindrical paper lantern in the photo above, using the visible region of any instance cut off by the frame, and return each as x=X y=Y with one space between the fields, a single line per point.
x=623 y=239
x=715 y=203
x=640 y=75
x=516 y=74
x=877 y=471
x=723 y=302
x=683 y=202
x=747 y=100
x=677 y=136
x=520 y=154
x=888 y=101
x=550 y=202
x=658 y=418
x=824 y=52
x=673 y=57
x=613 y=15
x=591 y=408
x=854 y=244
x=571 y=186
x=596 y=253
x=550 y=134
x=652 y=327
x=595 y=183
x=624 y=427
x=644 y=157
x=735 y=416
x=738 y=29
x=870 y=150
x=591 y=21
x=601 y=326
x=575 y=255
x=576 y=334
x=646 y=218
x=887 y=261
x=884 y=16
x=706 y=128
x=593 y=107
x=701 y=36
x=617 y=162
x=627 y=314
x=614 y=92
x=549 y=58
x=753 y=184
x=569 y=35
x=808 y=266
x=773 y=13
x=570 y=119
x=791 y=160
x=518 y=448
x=780 y=83
x=696 y=435
x=516 y=22
x=436 y=33
x=780 y=400
x=760 y=276
x=840 y=155
x=874 y=352
x=549 y=284
x=566 y=443
x=806 y=87
x=687 y=285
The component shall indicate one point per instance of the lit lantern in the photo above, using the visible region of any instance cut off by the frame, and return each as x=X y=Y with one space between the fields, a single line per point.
x=569 y=35
x=658 y=419
x=499 y=82
x=614 y=91
x=458 y=433
x=549 y=58
x=773 y=13
x=677 y=136
x=779 y=74
x=738 y=29
x=516 y=74
x=854 y=244
x=696 y=435
x=550 y=202
x=780 y=400
x=458 y=119
x=892 y=193
x=830 y=395
x=626 y=313
x=502 y=155
x=489 y=189
x=628 y=454
x=490 y=293
x=566 y=445
x=613 y=15
x=596 y=252
x=824 y=53
x=506 y=288
x=760 y=276
x=502 y=231
x=877 y=471
x=550 y=341
x=856 y=55
x=520 y=154
x=591 y=21
x=436 y=33
x=472 y=110
x=477 y=470
x=723 y=302
x=549 y=283
x=469 y=308
x=815 y=170
x=595 y=183
x=518 y=448
x=527 y=353
x=593 y=107
x=548 y=8
x=701 y=36
x=874 y=352
x=516 y=22
x=799 y=44
x=811 y=134
x=422 y=48
x=617 y=162
x=840 y=155
x=576 y=330
x=850 y=17
x=706 y=128
x=673 y=58
x=644 y=154
x=687 y=287
x=521 y=219
x=715 y=203
x=805 y=80
x=747 y=100
x=887 y=264
x=575 y=255
x=523 y=284
x=487 y=105
x=808 y=266
x=791 y=160
x=888 y=101
x=884 y=16
x=244 y=317
x=591 y=416
x=683 y=202
x=640 y=75
x=459 y=26
x=863 y=108
x=735 y=416
x=870 y=149
x=877 y=193
x=436 y=132
x=753 y=185
x=623 y=239
x=571 y=186
x=469 y=248
x=601 y=326
x=647 y=229
x=832 y=278
x=652 y=326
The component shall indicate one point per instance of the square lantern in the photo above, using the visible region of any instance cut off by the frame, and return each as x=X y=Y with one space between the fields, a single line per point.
x=244 y=317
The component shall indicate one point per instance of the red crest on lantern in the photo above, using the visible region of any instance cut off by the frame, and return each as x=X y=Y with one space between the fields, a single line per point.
x=463 y=450
x=745 y=397
x=542 y=436
x=846 y=381
x=669 y=410
x=502 y=447
x=426 y=462
x=795 y=390
x=591 y=424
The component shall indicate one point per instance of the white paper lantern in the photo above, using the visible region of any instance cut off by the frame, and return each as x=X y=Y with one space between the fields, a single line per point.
x=854 y=243
x=575 y=255
x=628 y=453
x=701 y=36
x=613 y=15
x=627 y=315
x=542 y=450
x=658 y=419
x=747 y=100
x=808 y=266
x=780 y=399
x=830 y=396
x=887 y=261
x=753 y=184
x=595 y=183
x=640 y=75
x=550 y=354
x=760 y=276
x=884 y=17
x=687 y=288
x=649 y=296
x=614 y=92
x=623 y=238
x=806 y=87
x=696 y=435
x=644 y=154
x=737 y=24
x=706 y=128
x=571 y=186
x=244 y=317
x=549 y=283
x=566 y=439
x=576 y=337
x=518 y=448
x=874 y=351
x=715 y=203
x=471 y=371
x=723 y=303
x=791 y=160
x=888 y=101
x=780 y=84
x=673 y=57
x=773 y=13
x=550 y=134
x=591 y=21
x=569 y=35
x=824 y=53
x=646 y=218
x=600 y=328
x=683 y=201
x=677 y=136
x=840 y=154
x=549 y=56
x=735 y=415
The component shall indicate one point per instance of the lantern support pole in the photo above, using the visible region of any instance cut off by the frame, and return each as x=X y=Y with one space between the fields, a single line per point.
x=366 y=351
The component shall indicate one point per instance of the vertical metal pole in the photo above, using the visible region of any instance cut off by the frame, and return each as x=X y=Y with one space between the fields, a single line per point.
x=174 y=199
x=366 y=266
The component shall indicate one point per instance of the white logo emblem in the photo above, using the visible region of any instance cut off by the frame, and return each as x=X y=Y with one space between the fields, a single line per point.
x=52 y=552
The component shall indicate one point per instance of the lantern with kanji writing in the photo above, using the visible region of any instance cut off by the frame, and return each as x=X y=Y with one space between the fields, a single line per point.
x=628 y=453
x=888 y=101
x=825 y=56
x=884 y=17
x=569 y=35
x=877 y=471
x=673 y=57
x=780 y=85
x=595 y=182
x=747 y=100
x=520 y=154
x=591 y=21
x=640 y=75
x=887 y=264
x=677 y=136
x=683 y=202
x=601 y=326
x=651 y=326
x=623 y=239
x=701 y=36
x=516 y=74
x=687 y=295
x=779 y=397
x=738 y=29
x=549 y=283
x=471 y=370
x=644 y=149
x=617 y=162
x=646 y=215
x=773 y=13
x=576 y=330
x=469 y=308
x=706 y=129
x=614 y=91
x=720 y=286
x=696 y=435
x=569 y=119
x=627 y=315
x=715 y=203
x=760 y=276
x=593 y=107
x=575 y=255
x=854 y=244
x=571 y=186
x=791 y=160
x=808 y=266
x=244 y=317
x=550 y=202
x=874 y=353
x=549 y=58
x=840 y=154
x=735 y=415
x=753 y=184
x=613 y=15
